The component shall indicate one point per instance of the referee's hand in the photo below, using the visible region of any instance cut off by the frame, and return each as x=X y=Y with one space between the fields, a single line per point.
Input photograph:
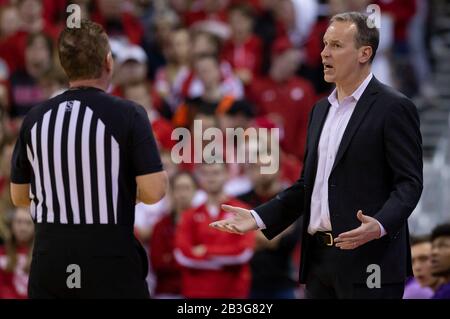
x=241 y=223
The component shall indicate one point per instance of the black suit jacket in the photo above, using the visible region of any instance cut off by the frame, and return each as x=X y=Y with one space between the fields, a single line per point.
x=378 y=169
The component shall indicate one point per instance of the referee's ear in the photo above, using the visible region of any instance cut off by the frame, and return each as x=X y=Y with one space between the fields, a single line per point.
x=109 y=63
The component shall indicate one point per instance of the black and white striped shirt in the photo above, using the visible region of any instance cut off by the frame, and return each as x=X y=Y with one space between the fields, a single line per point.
x=81 y=152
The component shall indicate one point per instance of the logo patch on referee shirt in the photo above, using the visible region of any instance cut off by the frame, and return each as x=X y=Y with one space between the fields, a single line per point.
x=69 y=106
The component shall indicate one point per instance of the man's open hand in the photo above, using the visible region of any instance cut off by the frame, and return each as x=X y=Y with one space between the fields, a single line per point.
x=369 y=230
x=240 y=223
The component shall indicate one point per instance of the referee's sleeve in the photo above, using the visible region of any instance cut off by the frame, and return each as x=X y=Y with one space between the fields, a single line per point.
x=20 y=165
x=145 y=154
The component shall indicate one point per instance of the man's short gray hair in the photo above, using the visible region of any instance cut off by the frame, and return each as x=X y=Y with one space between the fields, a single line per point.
x=367 y=33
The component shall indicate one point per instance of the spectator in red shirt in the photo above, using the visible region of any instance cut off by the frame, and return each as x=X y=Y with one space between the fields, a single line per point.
x=215 y=265
x=15 y=256
x=285 y=98
x=31 y=20
x=191 y=84
x=244 y=49
x=24 y=83
x=217 y=92
x=165 y=268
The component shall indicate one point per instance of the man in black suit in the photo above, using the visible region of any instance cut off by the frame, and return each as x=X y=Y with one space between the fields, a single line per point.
x=361 y=180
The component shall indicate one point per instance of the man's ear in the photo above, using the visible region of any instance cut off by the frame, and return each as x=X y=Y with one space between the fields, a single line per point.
x=365 y=53
x=109 y=63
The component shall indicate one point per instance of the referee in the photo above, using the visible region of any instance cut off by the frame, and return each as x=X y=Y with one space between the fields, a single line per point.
x=81 y=161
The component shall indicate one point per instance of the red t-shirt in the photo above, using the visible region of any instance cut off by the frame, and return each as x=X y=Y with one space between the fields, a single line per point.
x=223 y=271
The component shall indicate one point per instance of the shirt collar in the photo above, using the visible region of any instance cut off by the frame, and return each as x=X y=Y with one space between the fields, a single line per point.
x=356 y=95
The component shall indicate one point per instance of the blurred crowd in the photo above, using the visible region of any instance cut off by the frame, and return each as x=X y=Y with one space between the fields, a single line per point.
x=230 y=64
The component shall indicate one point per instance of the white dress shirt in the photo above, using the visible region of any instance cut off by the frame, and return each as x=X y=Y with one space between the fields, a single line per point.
x=335 y=124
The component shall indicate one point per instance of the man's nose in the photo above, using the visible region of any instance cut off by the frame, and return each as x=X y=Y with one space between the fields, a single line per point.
x=325 y=52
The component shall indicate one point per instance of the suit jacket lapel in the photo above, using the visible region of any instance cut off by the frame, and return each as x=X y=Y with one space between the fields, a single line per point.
x=361 y=109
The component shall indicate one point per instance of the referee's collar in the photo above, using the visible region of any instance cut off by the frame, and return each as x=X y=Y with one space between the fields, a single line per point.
x=77 y=88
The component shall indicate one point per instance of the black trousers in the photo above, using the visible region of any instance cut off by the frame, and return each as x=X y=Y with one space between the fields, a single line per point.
x=108 y=263
x=325 y=280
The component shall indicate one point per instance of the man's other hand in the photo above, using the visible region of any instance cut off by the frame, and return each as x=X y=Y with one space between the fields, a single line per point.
x=369 y=230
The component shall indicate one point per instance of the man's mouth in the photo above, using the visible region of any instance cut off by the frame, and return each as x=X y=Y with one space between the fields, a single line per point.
x=327 y=67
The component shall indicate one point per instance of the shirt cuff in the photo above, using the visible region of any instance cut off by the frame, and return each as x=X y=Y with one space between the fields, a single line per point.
x=383 y=231
x=258 y=220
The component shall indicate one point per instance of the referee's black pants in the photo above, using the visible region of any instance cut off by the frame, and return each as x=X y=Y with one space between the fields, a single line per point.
x=111 y=263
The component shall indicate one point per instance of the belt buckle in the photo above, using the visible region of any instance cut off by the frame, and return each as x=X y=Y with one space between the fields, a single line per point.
x=331 y=241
